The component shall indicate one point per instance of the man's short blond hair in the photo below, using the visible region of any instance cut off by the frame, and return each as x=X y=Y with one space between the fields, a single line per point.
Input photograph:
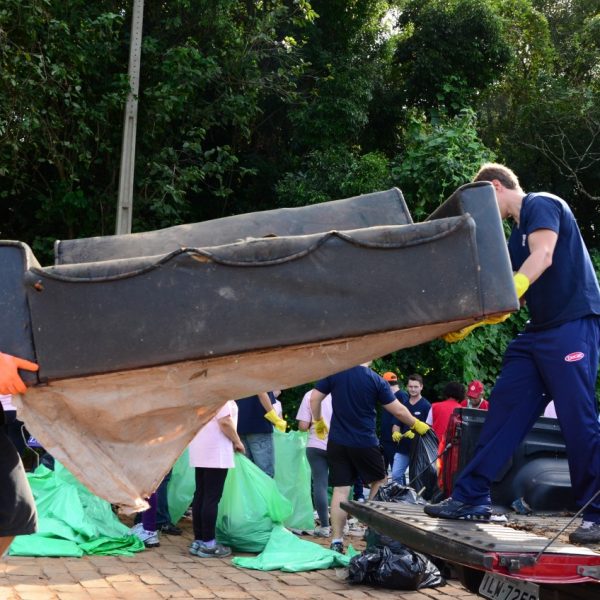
x=504 y=175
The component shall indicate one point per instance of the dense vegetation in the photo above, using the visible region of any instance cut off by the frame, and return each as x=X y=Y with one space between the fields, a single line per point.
x=249 y=105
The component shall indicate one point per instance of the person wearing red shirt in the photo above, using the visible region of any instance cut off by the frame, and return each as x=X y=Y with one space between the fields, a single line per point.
x=475 y=397
x=439 y=415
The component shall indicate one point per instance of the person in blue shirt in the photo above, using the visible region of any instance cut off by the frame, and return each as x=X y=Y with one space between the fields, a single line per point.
x=352 y=447
x=556 y=356
x=256 y=419
x=419 y=408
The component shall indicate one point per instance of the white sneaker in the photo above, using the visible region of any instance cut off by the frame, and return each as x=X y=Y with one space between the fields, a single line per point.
x=150 y=538
x=322 y=532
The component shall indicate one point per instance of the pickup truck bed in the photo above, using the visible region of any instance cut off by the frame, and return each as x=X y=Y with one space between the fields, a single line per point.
x=511 y=549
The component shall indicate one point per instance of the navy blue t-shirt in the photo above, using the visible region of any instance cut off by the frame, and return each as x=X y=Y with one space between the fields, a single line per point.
x=568 y=289
x=251 y=415
x=419 y=410
x=388 y=419
x=354 y=397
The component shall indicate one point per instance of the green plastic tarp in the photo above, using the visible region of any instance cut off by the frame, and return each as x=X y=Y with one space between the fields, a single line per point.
x=287 y=552
x=71 y=520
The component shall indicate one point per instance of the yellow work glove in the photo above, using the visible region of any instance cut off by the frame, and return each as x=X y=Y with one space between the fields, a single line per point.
x=321 y=428
x=277 y=421
x=420 y=427
x=521 y=284
x=10 y=380
x=455 y=336
x=408 y=435
x=396 y=436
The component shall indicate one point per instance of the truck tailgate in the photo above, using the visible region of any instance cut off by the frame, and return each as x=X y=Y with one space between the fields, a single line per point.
x=489 y=547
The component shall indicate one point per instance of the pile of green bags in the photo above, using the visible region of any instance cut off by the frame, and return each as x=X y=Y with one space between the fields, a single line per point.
x=71 y=520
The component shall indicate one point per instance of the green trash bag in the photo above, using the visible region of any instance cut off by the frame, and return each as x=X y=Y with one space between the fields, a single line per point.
x=293 y=477
x=71 y=520
x=181 y=487
x=287 y=552
x=250 y=506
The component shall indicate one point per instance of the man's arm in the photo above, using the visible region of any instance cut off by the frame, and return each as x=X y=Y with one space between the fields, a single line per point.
x=316 y=398
x=541 y=250
x=401 y=413
x=265 y=401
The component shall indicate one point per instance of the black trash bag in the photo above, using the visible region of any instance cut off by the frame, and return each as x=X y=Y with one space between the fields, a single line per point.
x=375 y=539
x=394 y=492
x=423 y=466
x=405 y=570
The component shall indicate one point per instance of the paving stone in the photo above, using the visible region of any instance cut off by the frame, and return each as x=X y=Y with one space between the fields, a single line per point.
x=95 y=583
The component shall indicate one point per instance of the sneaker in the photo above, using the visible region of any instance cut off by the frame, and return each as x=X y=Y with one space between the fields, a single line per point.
x=322 y=532
x=337 y=547
x=453 y=509
x=217 y=551
x=169 y=529
x=150 y=538
x=587 y=533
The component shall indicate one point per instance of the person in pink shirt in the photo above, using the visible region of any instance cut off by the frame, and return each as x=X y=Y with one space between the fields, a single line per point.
x=316 y=453
x=211 y=454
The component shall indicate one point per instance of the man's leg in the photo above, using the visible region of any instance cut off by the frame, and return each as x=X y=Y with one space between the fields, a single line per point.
x=338 y=516
x=263 y=455
x=517 y=400
x=375 y=485
x=399 y=468
x=17 y=507
x=568 y=358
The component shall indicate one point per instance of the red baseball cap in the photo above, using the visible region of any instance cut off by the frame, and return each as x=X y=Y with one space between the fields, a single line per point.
x=475 y=388
x=390 y=377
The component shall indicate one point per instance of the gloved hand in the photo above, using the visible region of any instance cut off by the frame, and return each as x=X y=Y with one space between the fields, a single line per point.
x=277 y=421
x=408 y=435
x=10 y=381
x=420 y=427
x=321 y=428
x=521 y=286
x=521 y=283
x=396 y=436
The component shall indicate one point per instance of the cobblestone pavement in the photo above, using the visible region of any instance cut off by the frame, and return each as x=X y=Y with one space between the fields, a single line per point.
x=171 y=572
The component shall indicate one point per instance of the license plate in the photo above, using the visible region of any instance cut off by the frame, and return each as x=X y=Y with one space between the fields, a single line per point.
x=497 y=587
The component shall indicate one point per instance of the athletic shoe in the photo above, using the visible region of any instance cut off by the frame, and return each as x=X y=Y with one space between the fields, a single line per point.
x=587 y=533
x=202 y=550
x=337 y=547
x=150 y=538
x=322 y=532
x=169 y=529
x=453 y=509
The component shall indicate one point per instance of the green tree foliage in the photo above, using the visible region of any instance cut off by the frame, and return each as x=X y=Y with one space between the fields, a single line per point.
x=61 y=93
x=448 y=51
x=439 y=155
x=543 y=114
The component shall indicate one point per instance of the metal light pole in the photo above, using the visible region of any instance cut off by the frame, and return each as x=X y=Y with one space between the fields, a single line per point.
x=125 y=202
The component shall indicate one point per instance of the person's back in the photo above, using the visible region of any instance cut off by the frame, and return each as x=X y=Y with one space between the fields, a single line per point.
x=355 y=393
x=441 y=412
